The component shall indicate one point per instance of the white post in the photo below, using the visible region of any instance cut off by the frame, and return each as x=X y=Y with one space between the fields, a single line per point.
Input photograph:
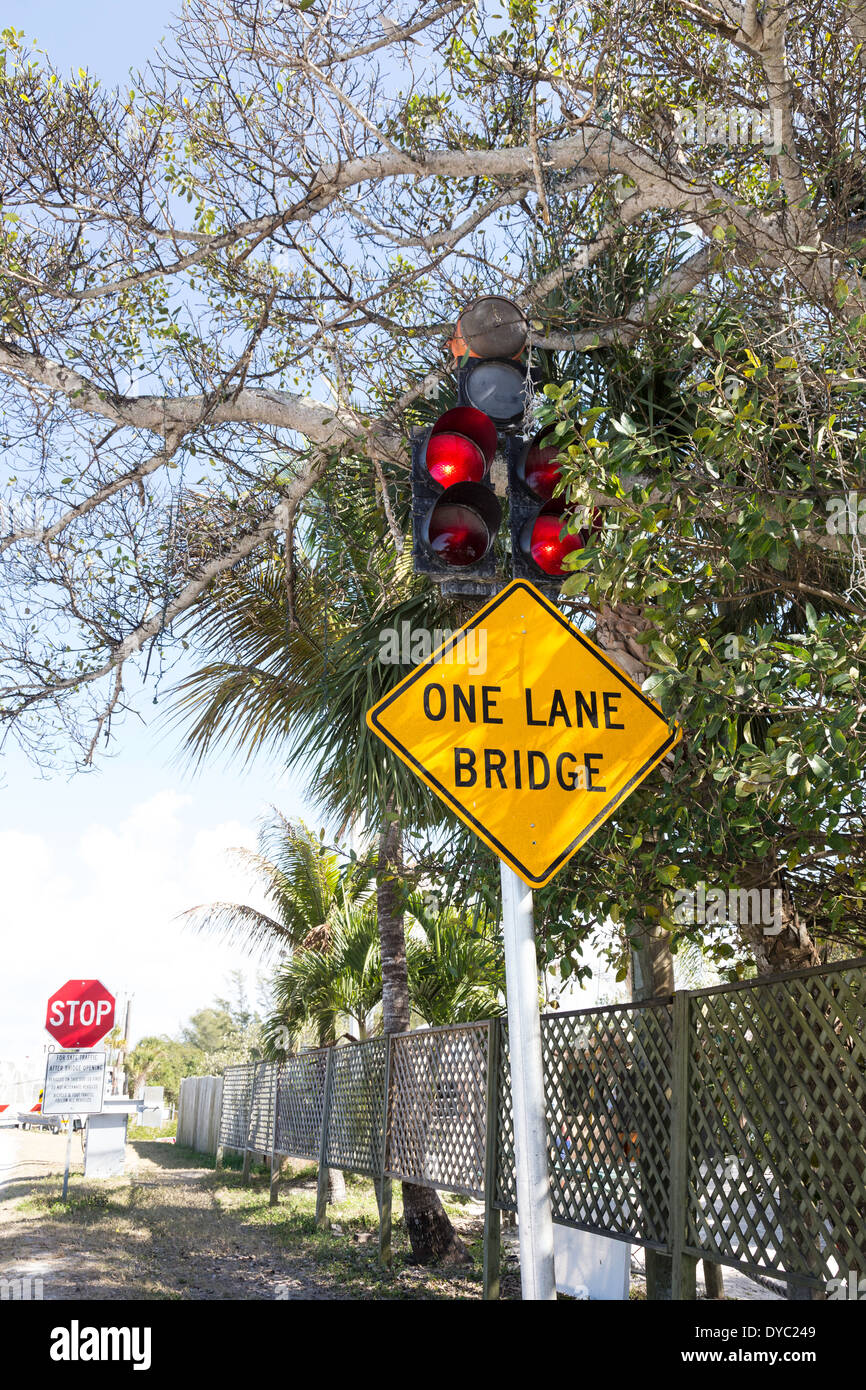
x=537 y=1277
x=68 y=1158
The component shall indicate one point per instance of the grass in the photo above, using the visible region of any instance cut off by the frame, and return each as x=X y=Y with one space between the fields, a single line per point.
x=79 y=1204
x=234 y=1162
x=146 y=1133
x=346 y=1254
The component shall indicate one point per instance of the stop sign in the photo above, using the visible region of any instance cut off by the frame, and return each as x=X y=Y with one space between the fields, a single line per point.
x=80 y=1013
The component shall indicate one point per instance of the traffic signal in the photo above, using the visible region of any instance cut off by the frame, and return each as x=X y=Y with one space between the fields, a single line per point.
x=455 y=512
x=539 y=542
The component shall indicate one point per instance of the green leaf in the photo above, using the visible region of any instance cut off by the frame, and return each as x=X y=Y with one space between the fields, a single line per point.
x=779 y=556
x=663 y=652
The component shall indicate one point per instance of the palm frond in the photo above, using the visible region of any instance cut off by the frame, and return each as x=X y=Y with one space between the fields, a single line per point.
x=239 y=925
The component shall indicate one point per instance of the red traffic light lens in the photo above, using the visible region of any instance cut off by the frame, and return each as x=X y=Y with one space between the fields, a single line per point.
x=472 y=424
x=452 y=458
x=541 y=472
x=547 y=546
x=458 y=534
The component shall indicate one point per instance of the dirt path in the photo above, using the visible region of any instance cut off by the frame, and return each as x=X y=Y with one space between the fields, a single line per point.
x=170 y=1229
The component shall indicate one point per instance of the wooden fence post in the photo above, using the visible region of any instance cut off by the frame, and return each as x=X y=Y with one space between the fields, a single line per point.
x=220 y=1148
x=183 y=1110
x=322 y=1188
x=216 y=1112
x=217 y=1123
x=714 y=1279
x=683 y=1285
x=248 y=1153
x=196 y=1112
x=274 y=1195
x=492 y=1216
x=385 y=1184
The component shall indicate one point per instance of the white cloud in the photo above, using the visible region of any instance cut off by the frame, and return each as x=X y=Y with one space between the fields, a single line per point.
x=108 y=908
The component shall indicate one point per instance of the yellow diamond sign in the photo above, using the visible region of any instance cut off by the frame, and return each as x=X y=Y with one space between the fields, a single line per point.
x=526 y=730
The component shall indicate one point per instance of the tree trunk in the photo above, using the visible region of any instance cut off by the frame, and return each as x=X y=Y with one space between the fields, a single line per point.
x=616 y=630
x=431 y=1235
x=792 y=948
x=652 y=965
x=336 y=1178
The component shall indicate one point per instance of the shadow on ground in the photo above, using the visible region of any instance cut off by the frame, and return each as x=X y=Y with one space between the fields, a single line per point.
x=172 y=1228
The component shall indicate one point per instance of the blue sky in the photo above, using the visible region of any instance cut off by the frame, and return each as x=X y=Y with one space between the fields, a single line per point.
x=106 y=36
x=94 y=869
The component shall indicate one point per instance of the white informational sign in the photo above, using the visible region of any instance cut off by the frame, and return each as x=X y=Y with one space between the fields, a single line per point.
x=74 y=1083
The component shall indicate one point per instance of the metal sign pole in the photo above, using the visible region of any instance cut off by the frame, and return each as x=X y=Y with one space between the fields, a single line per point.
x=68 y=1159
x=537 y=1276
x=517 y=797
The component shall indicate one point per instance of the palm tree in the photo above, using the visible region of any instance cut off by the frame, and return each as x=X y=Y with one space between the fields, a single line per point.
x=455 y=966
x=300 y=675
x=307 y=887
x=342 y=975
x=305 y=883
x=144 y=1059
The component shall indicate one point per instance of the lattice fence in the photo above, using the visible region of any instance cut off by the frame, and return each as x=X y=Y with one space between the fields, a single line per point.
x=607 y=1076
x=261 y=1132
x=237 y=1099
x=776 y=1151
x=356 y=1124
x=300 y=1105
x=742 y=1108
x=438 y=1108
